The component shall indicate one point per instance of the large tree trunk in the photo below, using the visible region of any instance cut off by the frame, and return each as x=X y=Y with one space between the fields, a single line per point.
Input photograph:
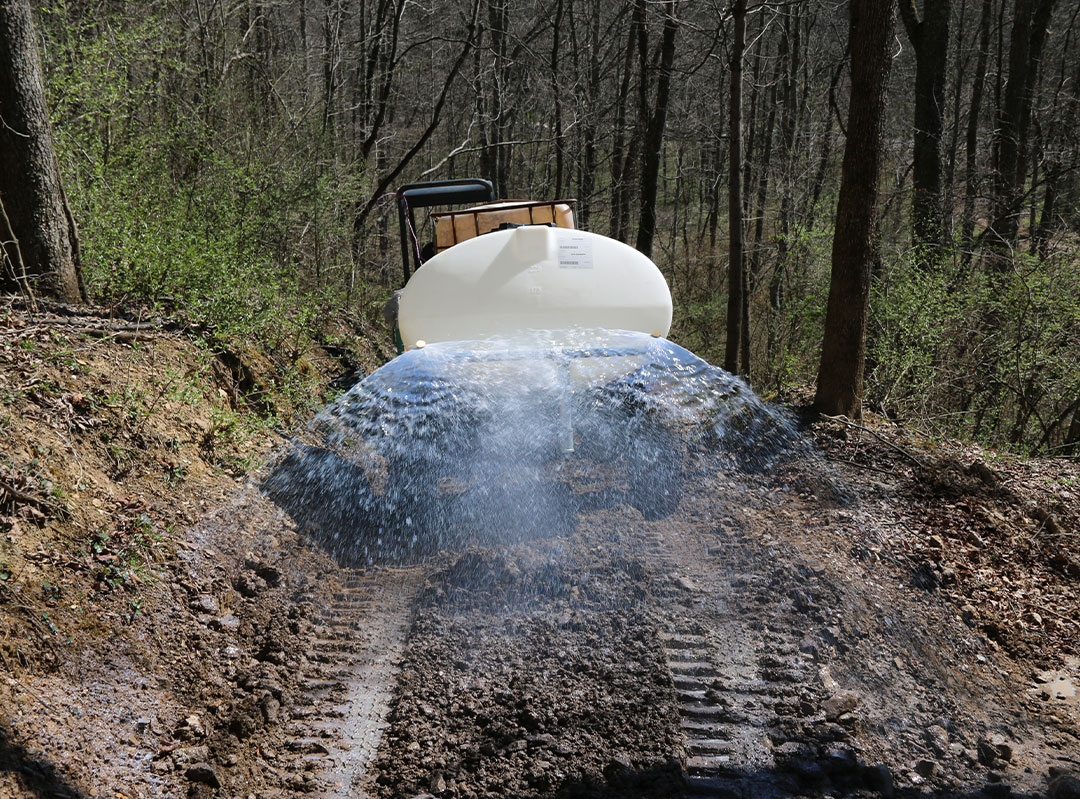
x=37 y=230
x=929 y=35
x=840 y=376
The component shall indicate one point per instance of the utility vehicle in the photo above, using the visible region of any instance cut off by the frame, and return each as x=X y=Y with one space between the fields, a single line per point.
x=528 y=357
x=495 y=273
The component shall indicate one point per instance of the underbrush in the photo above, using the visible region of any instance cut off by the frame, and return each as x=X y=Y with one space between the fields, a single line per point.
x=237 y=225
x=965 y=351
x=979 y=354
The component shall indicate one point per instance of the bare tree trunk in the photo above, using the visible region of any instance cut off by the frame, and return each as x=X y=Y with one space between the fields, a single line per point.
x=639 y=33
x=362 y=211
x=843 y=355
x=929 y=35
x=712 y=220
x=971 y=143
x=560 y=146
x=736 y=257
x=587 y=180
x=383 y=58
x=654 y=132
x=788 y=122
x=41 y=234
x=619 y=158
x=953 y=149
x=763 y=167
x=826 y=149
x=1067 y=94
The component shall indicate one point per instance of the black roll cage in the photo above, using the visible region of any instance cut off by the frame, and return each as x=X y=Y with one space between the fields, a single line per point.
x=427 y=194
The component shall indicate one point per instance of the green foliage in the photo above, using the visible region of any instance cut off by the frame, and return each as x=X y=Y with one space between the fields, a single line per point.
x=127 y=556
x=985 y=353
x=228 y=441
x=785 y=342
x=911 y=313
x=989 y=355
x=793 y=332
x=183 y=205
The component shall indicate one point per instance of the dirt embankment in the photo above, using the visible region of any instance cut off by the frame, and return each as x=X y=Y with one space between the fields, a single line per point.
x=142 y=641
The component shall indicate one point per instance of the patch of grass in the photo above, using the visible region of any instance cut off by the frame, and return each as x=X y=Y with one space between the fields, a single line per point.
x=127 y=556
x=47 y=619
x=134 y=609
x=231 y=436
x=50 y=592
x=175 y=474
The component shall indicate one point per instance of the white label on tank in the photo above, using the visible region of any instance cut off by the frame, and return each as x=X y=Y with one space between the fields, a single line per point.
x=575 y=252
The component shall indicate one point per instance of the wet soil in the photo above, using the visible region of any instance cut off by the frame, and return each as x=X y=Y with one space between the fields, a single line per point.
x=150 y=613
x=759 y=642
x=535 y=670
x=891 y=616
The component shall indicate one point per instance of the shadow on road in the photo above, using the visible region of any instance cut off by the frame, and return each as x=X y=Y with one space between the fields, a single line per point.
x=869 y=782
x=39 y=777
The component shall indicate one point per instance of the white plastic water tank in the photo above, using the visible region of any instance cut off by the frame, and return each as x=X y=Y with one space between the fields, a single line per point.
x=533 y=278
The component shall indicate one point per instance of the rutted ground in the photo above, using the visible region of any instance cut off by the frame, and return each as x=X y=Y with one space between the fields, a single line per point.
x=766 y=639
x=149 y=632
x=804 y=655
x=534 y=671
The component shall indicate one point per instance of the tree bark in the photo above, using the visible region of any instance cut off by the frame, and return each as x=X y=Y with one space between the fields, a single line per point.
x=762 y=166
x=736 y=257
x=41 y=230
x=826 y=148
x=843 y=355
x=556 y=93
x=619 y=144
x=929 y=35
x=971 y=141
x=589 y=124
x=654 y=132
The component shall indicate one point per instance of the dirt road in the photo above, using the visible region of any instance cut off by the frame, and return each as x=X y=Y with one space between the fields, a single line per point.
x=760 y=642
x=769 y=638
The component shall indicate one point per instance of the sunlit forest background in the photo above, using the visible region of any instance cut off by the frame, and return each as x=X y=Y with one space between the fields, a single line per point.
x=233 y=160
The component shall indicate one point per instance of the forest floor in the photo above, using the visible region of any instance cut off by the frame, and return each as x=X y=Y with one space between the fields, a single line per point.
x=891 y=615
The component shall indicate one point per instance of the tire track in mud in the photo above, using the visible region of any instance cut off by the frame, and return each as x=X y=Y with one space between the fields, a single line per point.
x=742 y=693
x=345 y=696
x=541 y=668
x=745 y=691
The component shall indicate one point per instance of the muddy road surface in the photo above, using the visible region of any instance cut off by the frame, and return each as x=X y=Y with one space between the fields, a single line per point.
x=772 y=637
x=764 y=640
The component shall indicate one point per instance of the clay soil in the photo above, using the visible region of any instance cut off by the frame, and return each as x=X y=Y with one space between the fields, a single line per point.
x=907 y=609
